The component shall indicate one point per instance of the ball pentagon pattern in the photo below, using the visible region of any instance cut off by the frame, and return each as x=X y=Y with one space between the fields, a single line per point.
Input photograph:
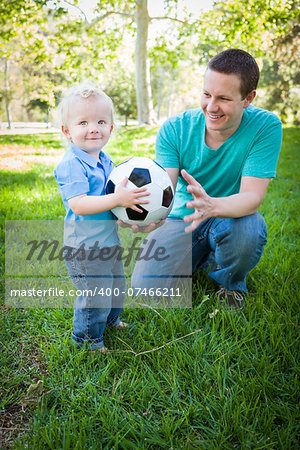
x=142 y=171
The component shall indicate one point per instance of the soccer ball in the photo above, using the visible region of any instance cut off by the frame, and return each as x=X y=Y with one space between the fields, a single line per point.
x=143 y=171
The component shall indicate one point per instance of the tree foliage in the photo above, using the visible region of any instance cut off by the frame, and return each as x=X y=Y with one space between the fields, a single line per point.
x=113 y=15
x=42 y=50
x=251 y=24
x=269 y=30
x=25 y=52
x=120 y=86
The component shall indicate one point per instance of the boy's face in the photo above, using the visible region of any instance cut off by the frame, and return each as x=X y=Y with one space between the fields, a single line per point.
x=222 y=101
x=89 y=124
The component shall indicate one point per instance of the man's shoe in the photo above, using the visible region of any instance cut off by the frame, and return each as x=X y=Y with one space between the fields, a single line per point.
x=234 y=300
x=122 y=325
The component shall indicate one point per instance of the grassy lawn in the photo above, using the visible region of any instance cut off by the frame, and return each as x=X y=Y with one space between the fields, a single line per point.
x=230 y=382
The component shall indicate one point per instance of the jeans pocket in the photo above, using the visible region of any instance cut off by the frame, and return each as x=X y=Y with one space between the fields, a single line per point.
x=76 y=270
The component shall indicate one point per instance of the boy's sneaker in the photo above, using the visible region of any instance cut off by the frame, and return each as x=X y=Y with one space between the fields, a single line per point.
x=234 y=300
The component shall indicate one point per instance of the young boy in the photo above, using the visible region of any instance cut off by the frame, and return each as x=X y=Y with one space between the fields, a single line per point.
x=87 y=122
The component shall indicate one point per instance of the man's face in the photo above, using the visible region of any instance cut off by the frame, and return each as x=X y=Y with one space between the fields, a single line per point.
x=222 y=102
x=89 y=123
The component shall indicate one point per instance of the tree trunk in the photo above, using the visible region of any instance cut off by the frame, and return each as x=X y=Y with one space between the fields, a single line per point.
x=7 y=93
x=169 y=108
x=160 y=91
x=47 y=116
x=143 y=89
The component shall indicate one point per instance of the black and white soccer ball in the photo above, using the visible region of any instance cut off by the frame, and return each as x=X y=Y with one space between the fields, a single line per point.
x=141 y=172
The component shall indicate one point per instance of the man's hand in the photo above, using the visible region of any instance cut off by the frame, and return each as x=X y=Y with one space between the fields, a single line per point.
x=246 y=202
x=137 y=229
x=202 y=203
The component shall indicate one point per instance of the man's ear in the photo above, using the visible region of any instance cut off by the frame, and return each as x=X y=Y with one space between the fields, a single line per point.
x=65 y=131
x=249 y=99
x=111 y=128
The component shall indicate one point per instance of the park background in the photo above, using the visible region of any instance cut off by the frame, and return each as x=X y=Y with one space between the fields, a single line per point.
x=194 y=378
x=148 y=56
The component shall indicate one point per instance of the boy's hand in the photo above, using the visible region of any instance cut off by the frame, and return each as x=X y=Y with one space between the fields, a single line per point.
x=131 y=198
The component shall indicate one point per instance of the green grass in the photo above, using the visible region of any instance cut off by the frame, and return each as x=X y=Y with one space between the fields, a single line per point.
x=231 y=384
x=45 y=140
x=135 y=142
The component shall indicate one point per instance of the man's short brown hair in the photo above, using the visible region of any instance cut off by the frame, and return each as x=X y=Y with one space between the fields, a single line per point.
x=240 y=63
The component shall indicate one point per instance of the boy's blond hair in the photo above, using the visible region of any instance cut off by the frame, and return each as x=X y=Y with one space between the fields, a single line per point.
x=84 y=90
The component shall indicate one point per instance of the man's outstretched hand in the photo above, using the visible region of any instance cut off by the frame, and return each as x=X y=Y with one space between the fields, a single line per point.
x=202 y=203
x=137 y=229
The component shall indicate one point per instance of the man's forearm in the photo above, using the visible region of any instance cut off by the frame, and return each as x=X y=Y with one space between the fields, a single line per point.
x=246 y=202
x=237 y=205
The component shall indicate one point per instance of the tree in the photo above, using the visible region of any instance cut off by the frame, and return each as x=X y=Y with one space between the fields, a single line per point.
x=23 y=45
x=169 y=57
x=250 y=24
x=136 y=17
x=121 y=88
x=286 y=60
x=268 y=29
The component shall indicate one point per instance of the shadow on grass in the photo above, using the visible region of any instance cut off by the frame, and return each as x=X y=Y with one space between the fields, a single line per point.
x=20 y=178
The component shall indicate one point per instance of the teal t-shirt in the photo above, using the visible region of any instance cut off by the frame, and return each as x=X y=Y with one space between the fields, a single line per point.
x=253 y=150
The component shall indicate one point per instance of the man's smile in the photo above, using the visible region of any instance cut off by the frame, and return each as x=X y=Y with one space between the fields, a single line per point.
x=214 y=116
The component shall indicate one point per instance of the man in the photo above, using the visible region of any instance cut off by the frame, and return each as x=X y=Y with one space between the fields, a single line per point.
x=220 y=158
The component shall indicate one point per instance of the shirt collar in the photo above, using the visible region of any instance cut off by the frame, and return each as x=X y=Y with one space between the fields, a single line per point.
x=86 y=157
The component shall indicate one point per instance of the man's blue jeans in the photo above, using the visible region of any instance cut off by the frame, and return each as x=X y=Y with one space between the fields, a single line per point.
x=229 y=248
x=101 y=287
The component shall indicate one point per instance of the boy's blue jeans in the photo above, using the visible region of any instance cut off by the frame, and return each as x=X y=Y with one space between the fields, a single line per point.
x=101 y=287
x=230 y=248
